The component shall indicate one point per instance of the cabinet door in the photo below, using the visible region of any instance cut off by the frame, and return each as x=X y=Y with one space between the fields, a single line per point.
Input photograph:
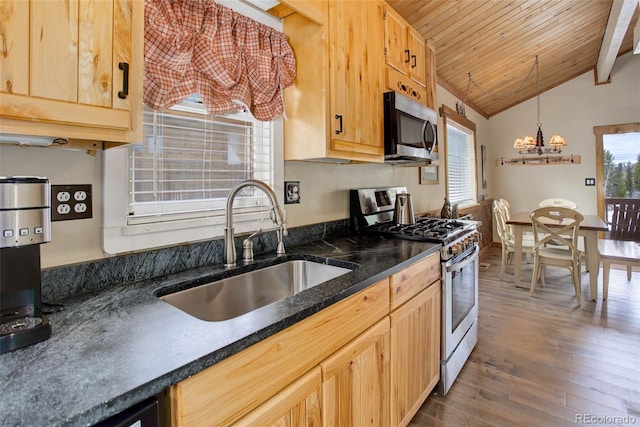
x=355 y=384
x=432 y=77
x=417 y=63
x=356 y=64
x=415 y=353
x=72 y=59
x=299 y=405
x=396 y=48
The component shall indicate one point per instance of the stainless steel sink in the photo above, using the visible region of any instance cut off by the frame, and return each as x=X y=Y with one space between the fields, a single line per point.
x=233 y=296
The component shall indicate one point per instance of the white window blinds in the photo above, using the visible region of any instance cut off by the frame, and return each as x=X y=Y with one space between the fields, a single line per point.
x=461 y=160
x=188 y=162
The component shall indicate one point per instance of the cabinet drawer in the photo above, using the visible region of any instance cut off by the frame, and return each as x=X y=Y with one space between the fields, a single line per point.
x=413 y=279
x=218 y=395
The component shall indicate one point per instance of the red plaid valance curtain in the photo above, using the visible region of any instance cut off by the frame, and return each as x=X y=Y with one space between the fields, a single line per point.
x=232 y=61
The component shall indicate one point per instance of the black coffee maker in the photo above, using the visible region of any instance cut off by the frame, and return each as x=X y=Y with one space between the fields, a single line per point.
x=25 y=223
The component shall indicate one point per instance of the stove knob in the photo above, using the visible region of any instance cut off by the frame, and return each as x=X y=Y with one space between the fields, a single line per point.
x=455 y=249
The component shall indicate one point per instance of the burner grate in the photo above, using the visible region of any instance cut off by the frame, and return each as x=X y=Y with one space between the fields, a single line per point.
x=425 y=228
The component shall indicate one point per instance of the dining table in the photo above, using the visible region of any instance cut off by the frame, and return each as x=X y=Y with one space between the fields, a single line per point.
x=589 y=228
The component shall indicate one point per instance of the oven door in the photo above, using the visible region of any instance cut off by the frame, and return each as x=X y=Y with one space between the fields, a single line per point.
x=459 y=300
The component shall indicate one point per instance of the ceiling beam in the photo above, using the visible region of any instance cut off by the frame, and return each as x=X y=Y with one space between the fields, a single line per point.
x=617 y=25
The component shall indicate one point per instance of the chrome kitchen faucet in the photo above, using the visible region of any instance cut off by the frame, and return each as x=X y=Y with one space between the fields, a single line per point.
x=278 y=219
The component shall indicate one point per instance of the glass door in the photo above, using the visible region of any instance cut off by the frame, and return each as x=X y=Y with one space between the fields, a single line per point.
x=618 y=176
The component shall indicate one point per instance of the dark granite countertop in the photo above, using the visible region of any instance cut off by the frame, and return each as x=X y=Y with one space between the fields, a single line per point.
x=112 y=349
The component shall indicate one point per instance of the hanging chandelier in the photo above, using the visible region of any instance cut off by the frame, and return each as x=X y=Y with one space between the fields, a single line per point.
x=531 y=145
x=527 y=144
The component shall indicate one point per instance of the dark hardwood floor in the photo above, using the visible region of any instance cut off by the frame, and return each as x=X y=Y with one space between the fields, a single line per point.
x=544 y=361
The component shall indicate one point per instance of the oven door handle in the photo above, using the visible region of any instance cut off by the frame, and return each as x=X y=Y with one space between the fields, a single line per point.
x=466 y=261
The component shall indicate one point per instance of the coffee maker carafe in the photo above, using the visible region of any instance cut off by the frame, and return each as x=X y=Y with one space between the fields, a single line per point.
x=25 y=223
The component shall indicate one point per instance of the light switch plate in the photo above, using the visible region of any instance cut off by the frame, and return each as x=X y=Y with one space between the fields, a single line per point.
x=71 y=202
x=291 y=192
x=589 y=182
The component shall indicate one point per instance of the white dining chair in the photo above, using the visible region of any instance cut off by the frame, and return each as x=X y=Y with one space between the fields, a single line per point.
x=558 y=203
x=562 y=203
x=507 y=238
x=564 y=230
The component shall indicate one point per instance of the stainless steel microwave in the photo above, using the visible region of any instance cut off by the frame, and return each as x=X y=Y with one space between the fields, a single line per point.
x=410 y=130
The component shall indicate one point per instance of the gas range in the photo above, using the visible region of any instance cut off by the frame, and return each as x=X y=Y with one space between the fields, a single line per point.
x=372 y=213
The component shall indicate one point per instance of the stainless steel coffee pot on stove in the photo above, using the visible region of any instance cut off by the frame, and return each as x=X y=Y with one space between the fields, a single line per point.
x=403 y=210
x=25 y=223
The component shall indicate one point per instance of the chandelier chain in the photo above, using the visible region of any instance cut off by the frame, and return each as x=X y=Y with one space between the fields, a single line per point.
x=511 y=93
x=538 y=90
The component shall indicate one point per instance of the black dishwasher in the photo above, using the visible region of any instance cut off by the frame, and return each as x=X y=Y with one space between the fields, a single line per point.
x=143 y=414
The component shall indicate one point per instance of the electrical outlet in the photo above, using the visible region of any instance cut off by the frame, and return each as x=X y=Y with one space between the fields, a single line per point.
x=71 y=202
x=291 y=192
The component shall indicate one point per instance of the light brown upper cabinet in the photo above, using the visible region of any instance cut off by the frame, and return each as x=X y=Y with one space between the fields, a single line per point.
x=334 y=109
x=405 y=53
x=405 y=48
x=72 y=69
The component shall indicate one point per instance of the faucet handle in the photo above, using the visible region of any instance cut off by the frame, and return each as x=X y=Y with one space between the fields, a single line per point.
x=255 y=233
x=247 y=247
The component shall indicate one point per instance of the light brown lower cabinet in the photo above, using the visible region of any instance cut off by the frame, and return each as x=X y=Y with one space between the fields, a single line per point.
x=415 y=353
x=232 y=388
x=299 y=405
x=355 y=363
x=355 y=383
x=350 y=388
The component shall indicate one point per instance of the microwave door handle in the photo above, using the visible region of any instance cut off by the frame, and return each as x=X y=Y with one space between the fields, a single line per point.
x=427 y=125
x=424 y=136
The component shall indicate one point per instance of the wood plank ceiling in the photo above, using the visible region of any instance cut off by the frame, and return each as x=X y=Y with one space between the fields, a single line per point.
x=497 y=42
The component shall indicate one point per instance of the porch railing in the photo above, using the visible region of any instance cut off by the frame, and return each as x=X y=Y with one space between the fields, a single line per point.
x=623 y=218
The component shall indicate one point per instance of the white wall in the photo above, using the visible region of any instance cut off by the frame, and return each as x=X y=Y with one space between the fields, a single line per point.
x=572 y=110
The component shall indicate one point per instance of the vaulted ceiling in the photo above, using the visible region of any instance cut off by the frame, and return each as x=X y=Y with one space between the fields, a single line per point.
x=497 y=42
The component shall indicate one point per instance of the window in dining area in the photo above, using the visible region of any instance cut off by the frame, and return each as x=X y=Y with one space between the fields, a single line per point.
x=460 y=158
